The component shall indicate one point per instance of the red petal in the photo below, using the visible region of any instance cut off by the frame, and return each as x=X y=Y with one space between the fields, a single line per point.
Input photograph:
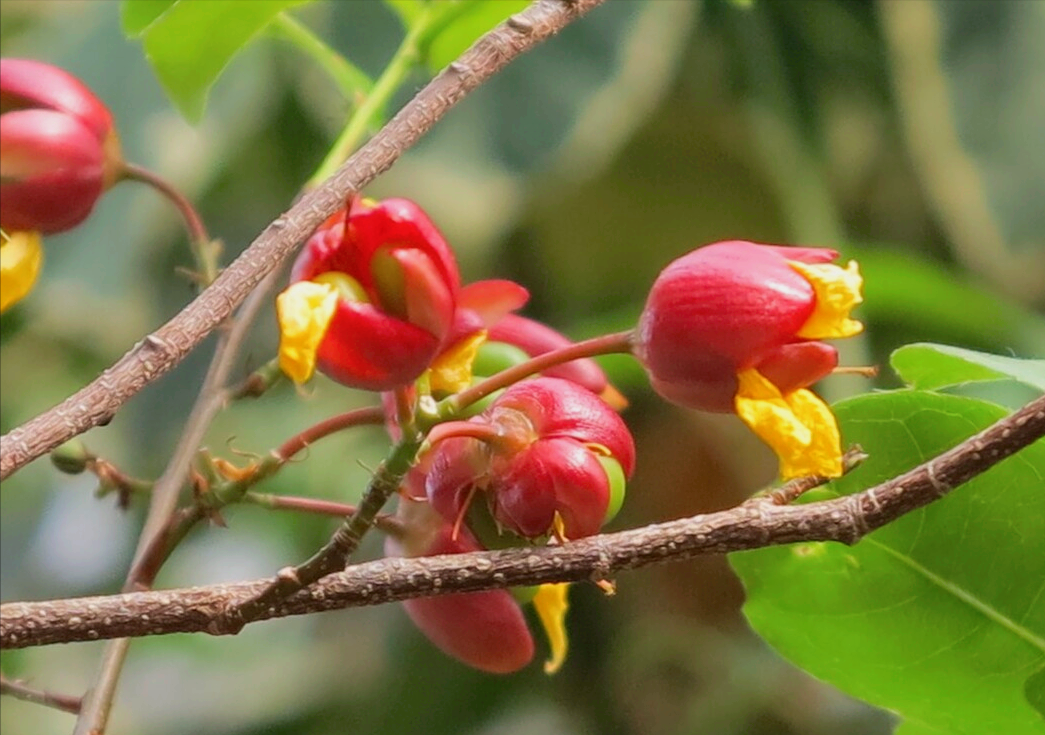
x=522 y=498
x=486 y=630
x=718 y=310
x=428 y=299
x=396 y=223
x=560 y=408
x=365 y=348
x=798 y=365
x=52 y=168
x=804 y=255
x=457 y=465
x=26 y=84
x=493 y=299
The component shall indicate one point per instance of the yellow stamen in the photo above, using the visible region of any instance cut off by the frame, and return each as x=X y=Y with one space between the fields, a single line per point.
x=614 y=398
x=798 y=426
x=551 y=605
x=452 y=371
x=837 y=293
x=304 y=311
x=21 y=255
x=558 y=529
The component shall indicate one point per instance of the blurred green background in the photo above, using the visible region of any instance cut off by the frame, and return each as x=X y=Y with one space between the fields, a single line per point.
x=905 y=133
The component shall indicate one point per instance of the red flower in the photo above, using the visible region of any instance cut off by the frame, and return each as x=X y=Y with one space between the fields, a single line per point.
x=58 y=148
x=550 y=456
x=373 y=297
x=733 y=327
x=486 y=630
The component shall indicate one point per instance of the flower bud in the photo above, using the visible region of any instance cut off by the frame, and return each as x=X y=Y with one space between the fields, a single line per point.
x=372 y=298
x=72 y=457
x=58 y=148
x=537 y=454
x=732 y=327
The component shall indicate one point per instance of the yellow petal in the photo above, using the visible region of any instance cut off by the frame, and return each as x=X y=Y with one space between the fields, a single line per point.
x=304 y=311
x=551 y=605
x=21 y=255
x=799 y=427
x=452 y=371
x=837 y=293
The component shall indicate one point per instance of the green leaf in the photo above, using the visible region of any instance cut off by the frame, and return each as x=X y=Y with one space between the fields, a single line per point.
x=137 y=15
x=460 y=23
x=192 y=42
x=928 y=366
x=939 y=616
x=1035 y=691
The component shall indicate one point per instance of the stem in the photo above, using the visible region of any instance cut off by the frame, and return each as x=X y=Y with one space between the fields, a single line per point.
x=111 y=478
x=382 y=522
x=864 y=371
x=348 y=77
x=334 y=555
x=471 y=429
x=607 y=344
x=372 y=415
x=387 y=84
x=794 y=489
x=154 y=542
x=203 y=250
x=19 y=690
x=258 y=382
x=751 y=525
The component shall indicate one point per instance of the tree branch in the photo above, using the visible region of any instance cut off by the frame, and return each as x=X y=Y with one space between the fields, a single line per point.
x=755 y=524
x=160 y=351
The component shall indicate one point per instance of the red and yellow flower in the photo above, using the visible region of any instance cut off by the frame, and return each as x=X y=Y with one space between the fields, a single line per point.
x=372 y=299
x=58 y=153
x=736 y=327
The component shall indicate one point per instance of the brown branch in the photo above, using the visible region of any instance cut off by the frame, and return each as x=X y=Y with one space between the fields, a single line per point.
x=749 y=526
x=160 y=351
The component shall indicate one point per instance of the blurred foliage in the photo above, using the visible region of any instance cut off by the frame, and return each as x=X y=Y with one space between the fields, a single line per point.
x=906 y=134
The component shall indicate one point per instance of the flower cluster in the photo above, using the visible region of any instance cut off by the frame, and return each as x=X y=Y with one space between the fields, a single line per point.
x=375 y=303
x=736 y=326
x=58 y=153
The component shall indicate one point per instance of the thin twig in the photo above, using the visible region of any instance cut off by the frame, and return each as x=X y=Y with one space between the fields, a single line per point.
x=334 y=555
x=618 y=342
x=20 y=690
x=167 y=346
x=370 y=415
x=153 y=542
x=317 y=506
x=792 y=490
x=193 y=223
x=749 y=526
